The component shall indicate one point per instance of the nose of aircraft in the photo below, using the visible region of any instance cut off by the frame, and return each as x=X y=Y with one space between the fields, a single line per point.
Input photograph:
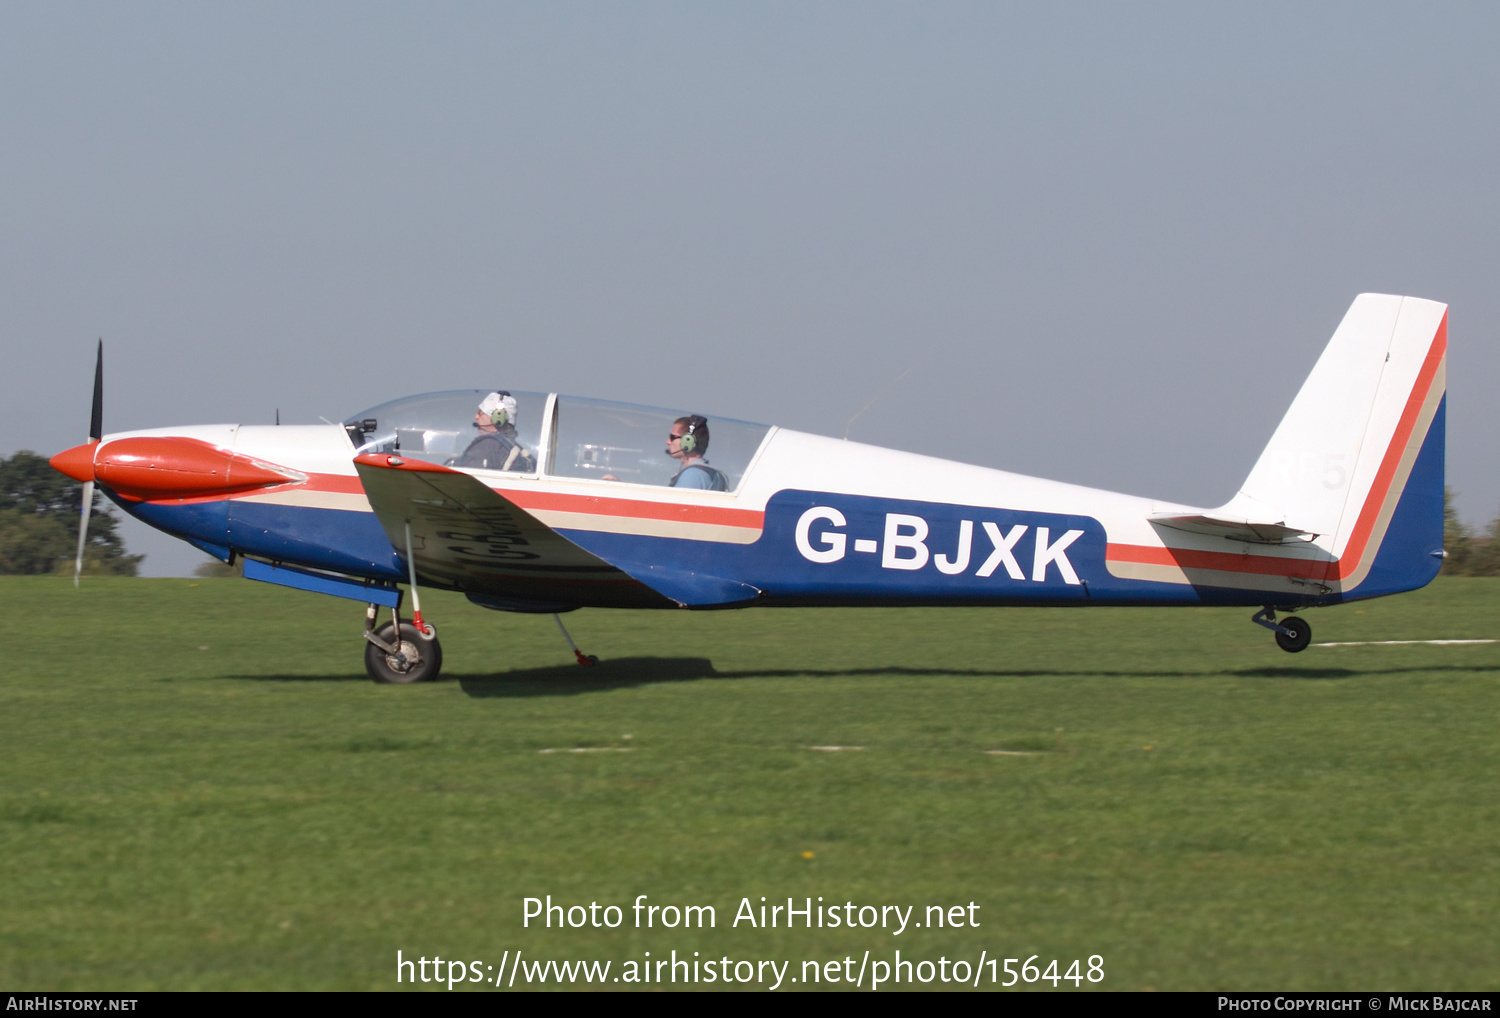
x=77 y=462
x=157 y=467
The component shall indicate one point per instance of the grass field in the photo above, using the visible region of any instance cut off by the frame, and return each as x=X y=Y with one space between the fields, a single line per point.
x=202 y=790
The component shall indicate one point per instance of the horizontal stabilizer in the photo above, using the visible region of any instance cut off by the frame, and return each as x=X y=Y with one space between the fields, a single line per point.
x=1234 y=528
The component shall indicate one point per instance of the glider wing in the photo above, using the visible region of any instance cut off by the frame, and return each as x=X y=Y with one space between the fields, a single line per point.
x=466 y=536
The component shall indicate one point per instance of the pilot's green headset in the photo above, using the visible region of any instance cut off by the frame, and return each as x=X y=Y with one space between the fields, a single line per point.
x=689 y=441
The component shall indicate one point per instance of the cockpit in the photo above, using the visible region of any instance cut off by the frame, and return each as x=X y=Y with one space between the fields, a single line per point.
x=534 y=433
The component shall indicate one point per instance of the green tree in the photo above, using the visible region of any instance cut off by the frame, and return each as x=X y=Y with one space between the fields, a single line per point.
x=39 y=510
x=1469 y=554
x=1484 y=552
x=1458 y=541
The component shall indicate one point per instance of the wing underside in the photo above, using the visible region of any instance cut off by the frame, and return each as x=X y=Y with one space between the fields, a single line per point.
x=468 y=537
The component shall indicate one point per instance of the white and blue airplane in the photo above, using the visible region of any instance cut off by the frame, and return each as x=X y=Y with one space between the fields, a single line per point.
x=535 y=502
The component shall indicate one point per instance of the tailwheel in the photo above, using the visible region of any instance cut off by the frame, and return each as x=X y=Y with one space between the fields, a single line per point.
x=417 y=657
x=1294 y=634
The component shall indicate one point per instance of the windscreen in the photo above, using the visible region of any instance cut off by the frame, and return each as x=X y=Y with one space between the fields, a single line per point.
x=486 y=429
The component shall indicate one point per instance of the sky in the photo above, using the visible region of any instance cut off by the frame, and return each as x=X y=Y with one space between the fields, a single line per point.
x=1095 y=242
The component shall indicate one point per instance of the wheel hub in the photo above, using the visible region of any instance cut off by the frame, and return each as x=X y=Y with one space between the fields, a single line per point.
x=406 y=659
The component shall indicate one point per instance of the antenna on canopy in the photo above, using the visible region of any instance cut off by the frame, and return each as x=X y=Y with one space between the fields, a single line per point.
x=877 y=398
x=278 y=416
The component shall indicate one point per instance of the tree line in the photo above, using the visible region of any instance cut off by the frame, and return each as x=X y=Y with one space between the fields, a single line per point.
x=1469 y=553
x=39 y=510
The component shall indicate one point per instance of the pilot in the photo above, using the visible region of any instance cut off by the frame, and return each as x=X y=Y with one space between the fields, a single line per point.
x=497 y=447
x=687 y=444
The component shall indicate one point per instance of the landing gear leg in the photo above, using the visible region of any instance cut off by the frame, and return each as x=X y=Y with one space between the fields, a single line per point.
x=424 y=629
x=583 y=659
x=1292 y=634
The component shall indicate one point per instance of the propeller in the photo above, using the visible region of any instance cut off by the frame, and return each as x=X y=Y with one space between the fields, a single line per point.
x=96 y=432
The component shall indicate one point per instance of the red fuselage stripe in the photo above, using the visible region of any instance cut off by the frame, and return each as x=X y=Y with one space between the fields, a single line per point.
x=1229 y=562
x=592 y=505
x=599 y=505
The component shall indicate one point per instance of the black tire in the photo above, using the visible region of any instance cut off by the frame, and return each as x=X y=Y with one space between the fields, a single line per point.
x=1297 y=637
x=387 y=668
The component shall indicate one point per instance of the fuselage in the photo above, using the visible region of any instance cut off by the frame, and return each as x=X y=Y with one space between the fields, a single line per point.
x=810 y=520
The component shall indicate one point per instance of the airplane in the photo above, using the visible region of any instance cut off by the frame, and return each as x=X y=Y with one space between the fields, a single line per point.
x=606 y=504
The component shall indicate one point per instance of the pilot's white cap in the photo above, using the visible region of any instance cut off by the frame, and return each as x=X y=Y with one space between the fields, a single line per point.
x=494 y=401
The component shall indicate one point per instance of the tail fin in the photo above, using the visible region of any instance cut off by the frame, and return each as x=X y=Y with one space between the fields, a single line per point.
x=1358 y=459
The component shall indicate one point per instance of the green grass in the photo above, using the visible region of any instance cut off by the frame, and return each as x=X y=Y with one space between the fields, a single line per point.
x=201 y=789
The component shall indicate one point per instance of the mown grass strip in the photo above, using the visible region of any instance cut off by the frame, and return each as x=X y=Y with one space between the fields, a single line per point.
x=1202 y=809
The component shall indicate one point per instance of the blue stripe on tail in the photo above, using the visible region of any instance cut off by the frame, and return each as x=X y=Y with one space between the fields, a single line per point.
x=1412 y=552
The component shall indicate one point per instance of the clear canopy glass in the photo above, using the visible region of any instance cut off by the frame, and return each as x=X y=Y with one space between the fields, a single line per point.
x=628 y=443
x=592 y=438
x=441 y=427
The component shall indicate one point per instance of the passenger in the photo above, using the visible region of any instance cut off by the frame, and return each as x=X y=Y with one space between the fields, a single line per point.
x=687 y=444
x=497 y=447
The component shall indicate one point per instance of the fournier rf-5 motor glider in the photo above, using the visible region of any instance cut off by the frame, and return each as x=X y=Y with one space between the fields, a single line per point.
x=530 y=502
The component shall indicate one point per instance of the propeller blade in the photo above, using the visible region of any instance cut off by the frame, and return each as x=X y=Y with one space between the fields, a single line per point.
x=96 y=432
x=83 y=528
x=96 y=422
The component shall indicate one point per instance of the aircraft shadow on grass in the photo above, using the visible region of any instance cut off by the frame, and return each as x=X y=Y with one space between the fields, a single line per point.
x=1345 y=673
x=1271 y=672
x=624 y=673
x=629 y=672
x=620 y=673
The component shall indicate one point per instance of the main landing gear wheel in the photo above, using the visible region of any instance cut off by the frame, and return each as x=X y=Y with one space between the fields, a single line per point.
x=1297 y=636
x=418 y=659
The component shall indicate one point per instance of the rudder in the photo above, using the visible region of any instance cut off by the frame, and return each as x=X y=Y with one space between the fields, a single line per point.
x=1358 y=459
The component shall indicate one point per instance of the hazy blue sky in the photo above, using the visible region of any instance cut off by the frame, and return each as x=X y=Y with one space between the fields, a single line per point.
x=1109 y=240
